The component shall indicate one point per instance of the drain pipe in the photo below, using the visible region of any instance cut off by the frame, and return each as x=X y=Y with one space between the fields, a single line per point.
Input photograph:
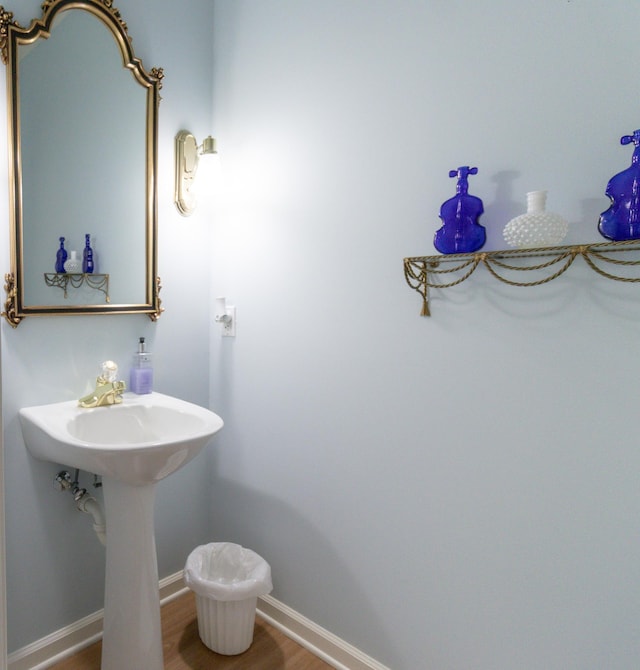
x=88 y=504
x=84 y=502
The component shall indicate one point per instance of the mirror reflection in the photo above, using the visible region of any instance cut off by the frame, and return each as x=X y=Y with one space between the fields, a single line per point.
x=83 y=143
x=70 y=147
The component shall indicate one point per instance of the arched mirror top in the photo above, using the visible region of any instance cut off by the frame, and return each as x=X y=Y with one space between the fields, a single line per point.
x=83 y=119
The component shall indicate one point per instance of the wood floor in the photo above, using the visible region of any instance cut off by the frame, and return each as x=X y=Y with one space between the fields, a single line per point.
x=183 y=650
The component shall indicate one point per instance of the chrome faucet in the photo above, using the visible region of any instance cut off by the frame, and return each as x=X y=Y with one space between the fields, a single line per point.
x=108 y=391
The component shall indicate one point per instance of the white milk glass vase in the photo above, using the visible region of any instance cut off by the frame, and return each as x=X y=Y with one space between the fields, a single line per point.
x=537 y=227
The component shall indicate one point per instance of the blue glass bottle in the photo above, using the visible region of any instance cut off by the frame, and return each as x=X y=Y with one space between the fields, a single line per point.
x=461 y=232
x=87 y=255
x=61 y=257
x=622 y=220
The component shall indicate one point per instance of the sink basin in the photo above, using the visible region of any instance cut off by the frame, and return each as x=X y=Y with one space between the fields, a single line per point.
x=141 y=440
x=132 y=445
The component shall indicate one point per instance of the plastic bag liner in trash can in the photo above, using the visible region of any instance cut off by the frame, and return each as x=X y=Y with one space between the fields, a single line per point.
x=227 y=580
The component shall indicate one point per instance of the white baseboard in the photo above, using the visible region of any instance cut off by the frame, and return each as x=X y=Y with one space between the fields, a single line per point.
x=319 y=641
x=67 y=641
x=71 y=639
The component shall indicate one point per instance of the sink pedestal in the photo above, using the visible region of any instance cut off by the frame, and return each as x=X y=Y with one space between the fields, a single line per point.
x=132 y=631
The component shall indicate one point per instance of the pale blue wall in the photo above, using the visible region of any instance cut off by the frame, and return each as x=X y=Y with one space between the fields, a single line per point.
x=55 y=565
x=447 y=493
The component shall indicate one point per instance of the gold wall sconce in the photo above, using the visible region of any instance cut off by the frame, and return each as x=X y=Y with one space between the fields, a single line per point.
x=188 y=155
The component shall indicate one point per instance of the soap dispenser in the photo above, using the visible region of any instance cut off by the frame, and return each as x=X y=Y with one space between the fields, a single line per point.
x=141 y=380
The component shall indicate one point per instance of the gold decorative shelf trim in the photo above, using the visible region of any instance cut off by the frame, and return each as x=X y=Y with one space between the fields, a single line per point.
x=447 y=270
x=99 y=282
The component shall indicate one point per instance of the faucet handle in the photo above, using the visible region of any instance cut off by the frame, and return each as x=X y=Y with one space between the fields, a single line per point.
x=109 y=371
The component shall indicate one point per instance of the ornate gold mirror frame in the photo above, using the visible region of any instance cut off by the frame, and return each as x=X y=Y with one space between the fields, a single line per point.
x=15 y=42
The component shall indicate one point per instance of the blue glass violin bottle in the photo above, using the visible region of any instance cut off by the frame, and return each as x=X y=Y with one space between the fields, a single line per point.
x=87 y=255
x=61 y=257
x=622 y=220
x=461 y=232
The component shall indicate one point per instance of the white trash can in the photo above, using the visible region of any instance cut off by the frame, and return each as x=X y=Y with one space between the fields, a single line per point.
x=227 y=580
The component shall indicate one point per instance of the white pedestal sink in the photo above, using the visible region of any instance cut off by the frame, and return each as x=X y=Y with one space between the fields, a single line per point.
x=132 y=445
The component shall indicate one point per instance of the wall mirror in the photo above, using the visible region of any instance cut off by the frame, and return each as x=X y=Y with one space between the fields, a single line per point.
x=83 y=117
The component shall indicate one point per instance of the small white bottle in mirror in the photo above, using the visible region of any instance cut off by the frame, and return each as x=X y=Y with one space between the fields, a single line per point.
x=141 y=379
x=73 y=265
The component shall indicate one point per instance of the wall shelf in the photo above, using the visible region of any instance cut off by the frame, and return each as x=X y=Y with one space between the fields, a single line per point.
x=99 y=282
x=612 y=260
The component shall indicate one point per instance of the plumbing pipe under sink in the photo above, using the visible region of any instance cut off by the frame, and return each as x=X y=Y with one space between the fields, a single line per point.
x=85 y=502
x=88 y=504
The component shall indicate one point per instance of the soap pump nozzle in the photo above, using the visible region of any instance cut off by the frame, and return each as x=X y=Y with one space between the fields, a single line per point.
x=143 y=356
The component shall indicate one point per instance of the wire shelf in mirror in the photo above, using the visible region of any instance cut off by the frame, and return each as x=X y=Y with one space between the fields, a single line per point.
x=98 y=282
x=612 y=260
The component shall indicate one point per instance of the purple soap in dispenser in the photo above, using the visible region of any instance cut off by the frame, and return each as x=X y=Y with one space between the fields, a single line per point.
x=141 y=380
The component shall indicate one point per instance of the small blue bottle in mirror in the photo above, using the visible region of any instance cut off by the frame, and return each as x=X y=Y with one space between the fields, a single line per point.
x=61 y=257
x=87 y=255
